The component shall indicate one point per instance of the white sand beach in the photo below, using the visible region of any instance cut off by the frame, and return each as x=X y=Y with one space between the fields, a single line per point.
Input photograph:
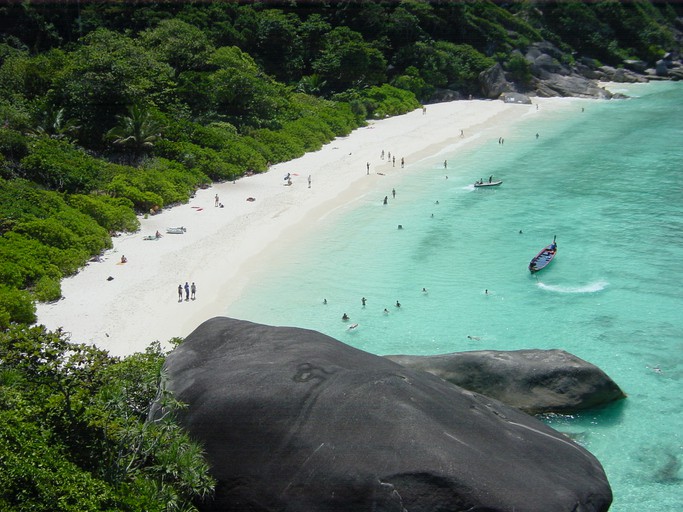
x=140 y=304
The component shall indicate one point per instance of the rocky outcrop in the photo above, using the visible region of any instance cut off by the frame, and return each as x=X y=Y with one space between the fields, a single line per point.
x=294 y=420
x=493 y=82
x=556 y=73
x=535 y=381
x=575 y=86
x=545 y=58
x=621 y=75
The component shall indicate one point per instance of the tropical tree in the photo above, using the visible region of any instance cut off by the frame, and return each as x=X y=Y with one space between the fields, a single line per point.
x=181 y=45
x=135 y=133
x=347 y=61
x=278 y=46
x=52 y=122
x=104 y=76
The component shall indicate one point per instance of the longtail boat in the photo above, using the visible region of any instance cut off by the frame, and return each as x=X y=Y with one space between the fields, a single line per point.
x=543 y=258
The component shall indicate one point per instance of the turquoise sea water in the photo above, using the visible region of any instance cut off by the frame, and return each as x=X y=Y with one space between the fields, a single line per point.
x=608 y=181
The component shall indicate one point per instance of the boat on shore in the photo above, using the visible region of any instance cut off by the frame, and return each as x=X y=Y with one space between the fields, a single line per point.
x=176 y=231
x=543 y=258
x=489 y=183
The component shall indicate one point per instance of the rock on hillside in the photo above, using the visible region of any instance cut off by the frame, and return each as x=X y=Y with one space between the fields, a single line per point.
x=294 y=420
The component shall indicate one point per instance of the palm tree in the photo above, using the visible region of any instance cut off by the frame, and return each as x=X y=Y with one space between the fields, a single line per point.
x=136 y=133
x=53 y=124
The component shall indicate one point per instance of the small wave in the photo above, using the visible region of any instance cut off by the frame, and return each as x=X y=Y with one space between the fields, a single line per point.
x=586 y=288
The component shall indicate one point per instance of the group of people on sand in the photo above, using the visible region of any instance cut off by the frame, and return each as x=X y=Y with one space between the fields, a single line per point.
x=190 y=291
x=288 y=180
x=390 y=159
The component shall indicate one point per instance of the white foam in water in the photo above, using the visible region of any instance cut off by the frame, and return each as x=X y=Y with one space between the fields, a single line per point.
x=587 y=288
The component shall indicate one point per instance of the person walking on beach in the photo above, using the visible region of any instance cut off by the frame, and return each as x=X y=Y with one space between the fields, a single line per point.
x=402 y=162
x=193 y=289
x=368 y=167
x=187 y=291
x=309 y=181
x=180 y=293
x=382 y=155
x=393 y=162
x=215 y=203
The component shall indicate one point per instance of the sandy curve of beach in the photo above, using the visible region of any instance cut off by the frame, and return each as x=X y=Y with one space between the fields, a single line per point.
x=123 y=307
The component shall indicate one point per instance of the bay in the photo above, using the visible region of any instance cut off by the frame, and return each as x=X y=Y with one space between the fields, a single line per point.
x=606 y=178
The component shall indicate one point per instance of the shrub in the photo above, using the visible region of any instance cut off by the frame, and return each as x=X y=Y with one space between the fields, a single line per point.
x=58 y=165
x=28 y=259
x=47 y=289
x=122 y=186
x=112 y=213
x=13 y=145
x=16 y=306
x=413 y=82
x=243 y=156
x=278 y=146
x=215 y=136
x=48 y=232
x=519 y=69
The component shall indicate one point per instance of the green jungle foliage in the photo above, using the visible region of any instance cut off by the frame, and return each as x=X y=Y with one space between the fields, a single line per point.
x=75 y=434
x=109 y=110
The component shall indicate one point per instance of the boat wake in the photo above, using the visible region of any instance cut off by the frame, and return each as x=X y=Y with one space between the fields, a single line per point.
x=587 y=288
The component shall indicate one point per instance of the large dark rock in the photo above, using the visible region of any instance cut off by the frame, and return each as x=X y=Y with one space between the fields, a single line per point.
x=610 y=74
x=535 y=381
x=293 y=420
x=493 y=83
x=553 y=84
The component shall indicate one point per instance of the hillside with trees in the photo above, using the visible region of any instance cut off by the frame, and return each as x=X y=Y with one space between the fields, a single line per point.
x=112 y=110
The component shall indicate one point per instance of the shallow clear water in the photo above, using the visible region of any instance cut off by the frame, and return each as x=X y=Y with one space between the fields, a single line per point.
x=608 y=181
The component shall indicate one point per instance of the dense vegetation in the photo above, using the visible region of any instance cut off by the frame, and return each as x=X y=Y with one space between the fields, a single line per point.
x=75 y=435
x=109 y=110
